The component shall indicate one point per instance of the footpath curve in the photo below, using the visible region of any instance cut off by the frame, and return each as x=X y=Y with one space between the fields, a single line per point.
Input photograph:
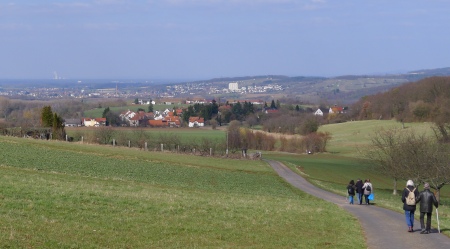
x=383 y=228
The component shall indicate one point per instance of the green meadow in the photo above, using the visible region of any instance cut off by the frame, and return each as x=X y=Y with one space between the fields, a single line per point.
x=70 y=195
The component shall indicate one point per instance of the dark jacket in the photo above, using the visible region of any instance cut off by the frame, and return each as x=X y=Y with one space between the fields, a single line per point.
x=405 y=194
x=351 y=189
x=427 y=200
x=359 y=185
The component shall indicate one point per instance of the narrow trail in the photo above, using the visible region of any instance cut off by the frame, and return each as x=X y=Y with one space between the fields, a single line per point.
x=383 y=228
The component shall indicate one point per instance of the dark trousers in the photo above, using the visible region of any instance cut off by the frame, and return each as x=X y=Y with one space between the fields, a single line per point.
x=422 y=224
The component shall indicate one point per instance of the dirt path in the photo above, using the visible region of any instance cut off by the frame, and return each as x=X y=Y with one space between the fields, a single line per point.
x=382 y=228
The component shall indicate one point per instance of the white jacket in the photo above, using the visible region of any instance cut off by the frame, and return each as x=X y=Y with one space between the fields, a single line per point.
x=366 y=192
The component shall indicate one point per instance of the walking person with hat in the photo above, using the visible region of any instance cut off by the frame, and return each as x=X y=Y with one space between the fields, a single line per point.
x=427 y=200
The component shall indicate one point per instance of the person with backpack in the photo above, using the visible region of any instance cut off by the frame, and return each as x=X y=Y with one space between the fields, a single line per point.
x=359 y=190
x=368 y=189
x=427 y=200
x=409 y=203
x=351 y=191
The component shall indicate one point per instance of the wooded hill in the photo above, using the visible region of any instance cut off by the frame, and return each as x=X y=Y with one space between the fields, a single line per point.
x=427 y=100
x=424 y=100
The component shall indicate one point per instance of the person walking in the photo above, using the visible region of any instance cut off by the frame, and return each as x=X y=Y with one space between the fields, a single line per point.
x=409 y=203
x=359 y=190
x=368 y=189
x=351 y=191
x=427 y=200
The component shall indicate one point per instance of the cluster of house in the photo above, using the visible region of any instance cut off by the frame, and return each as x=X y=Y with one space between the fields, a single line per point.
x=89 y=122
x=169 y=118
x=334 y=109
x=166 y=118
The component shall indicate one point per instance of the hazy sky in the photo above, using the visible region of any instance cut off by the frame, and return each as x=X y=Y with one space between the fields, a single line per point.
x=201 y=39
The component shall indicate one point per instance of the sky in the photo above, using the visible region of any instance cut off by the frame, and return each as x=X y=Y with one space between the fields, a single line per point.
x=203 y=39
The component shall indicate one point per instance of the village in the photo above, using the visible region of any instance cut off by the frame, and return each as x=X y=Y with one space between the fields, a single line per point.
x=172 y=118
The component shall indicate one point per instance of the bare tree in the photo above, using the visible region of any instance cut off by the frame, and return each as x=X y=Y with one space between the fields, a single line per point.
x=104 y=134
x=404 y=154
x=234 y=136
x=438 y=161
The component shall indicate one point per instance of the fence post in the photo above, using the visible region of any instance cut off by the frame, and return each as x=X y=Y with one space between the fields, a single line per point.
x=162 y=147
x=146 y=146
x=82 y=139
x=114 y=143
x=129 y=144
x=210 y=151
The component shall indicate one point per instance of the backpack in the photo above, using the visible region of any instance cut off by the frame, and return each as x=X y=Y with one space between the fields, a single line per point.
x=411 y=198
x=351 y=190
x=368 y=188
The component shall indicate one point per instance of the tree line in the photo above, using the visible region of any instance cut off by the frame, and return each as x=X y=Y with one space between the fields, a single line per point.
x=427 y=100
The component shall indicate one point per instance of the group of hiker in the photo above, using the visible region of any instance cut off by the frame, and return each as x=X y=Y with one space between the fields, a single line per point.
x=360 y=189
x=410 y=197
x=426 y=198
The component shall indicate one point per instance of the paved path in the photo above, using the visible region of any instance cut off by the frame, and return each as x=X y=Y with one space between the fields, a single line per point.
x=383 y=228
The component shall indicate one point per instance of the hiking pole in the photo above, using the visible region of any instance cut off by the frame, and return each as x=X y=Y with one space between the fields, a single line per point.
x=437 y=218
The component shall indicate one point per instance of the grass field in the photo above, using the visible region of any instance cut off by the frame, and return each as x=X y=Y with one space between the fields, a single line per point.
x=349 y=138
x=67 y=195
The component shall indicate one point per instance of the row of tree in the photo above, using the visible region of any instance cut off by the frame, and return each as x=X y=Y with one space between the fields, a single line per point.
x=237 y=138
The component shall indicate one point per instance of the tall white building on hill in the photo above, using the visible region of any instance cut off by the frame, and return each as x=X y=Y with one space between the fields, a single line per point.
x=233 y=86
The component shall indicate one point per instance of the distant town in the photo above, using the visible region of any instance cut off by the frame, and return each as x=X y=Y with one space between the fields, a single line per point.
x=345 y=89
x=132 y=90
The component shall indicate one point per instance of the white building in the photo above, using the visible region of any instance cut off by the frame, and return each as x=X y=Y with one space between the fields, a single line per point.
x=233 y=86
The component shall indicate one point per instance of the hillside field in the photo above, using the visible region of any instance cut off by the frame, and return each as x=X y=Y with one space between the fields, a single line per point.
x=70 y=195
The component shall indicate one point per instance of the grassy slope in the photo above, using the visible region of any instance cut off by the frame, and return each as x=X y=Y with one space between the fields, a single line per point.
x=62 y=195
x=350 y=137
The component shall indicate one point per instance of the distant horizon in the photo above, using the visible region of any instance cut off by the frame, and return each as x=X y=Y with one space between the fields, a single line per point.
x=181 y=80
